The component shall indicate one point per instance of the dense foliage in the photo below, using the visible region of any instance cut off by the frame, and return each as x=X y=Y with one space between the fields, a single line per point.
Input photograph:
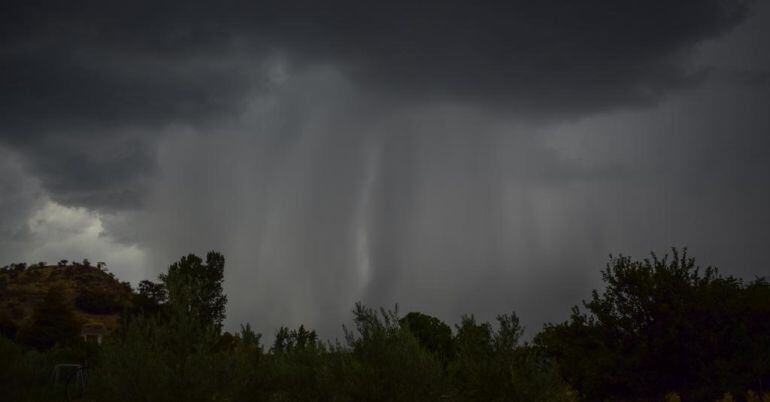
x=665 y=325
x=195 y=288
x=97 y=301
x=52 y=322
x=662 y=329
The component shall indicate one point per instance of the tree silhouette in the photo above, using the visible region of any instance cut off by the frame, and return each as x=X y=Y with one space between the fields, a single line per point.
x=433 y=334
x=663 y=325
x=196 y=288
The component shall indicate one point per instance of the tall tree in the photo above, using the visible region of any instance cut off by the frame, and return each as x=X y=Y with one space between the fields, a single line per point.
x=195 y=288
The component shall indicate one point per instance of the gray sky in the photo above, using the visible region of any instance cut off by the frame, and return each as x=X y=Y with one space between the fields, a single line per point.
x=450 y=157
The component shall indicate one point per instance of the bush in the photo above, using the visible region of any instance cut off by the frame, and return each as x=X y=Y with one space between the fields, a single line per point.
x=490 y=365
x=8 y=327
x=52 y=322
x=25 y=374
x=161 y=359
x=97 y=301
x=388 y=361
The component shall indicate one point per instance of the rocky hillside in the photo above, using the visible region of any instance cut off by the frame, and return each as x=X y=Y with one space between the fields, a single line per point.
x=95 y=295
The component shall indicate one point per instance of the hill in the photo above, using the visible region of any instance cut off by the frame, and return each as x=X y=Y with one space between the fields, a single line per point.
x=95 y=295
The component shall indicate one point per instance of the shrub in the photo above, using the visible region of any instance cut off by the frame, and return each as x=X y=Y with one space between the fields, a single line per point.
x=25 y=374
x=161 y=359
x=388 y=361
x=52 y=322
x=97 y=301
x=490 y=365
x=8 y=327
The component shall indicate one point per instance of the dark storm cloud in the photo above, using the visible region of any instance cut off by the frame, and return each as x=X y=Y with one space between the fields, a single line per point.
x=107 y=169
x=136 y=59
x=89 y=69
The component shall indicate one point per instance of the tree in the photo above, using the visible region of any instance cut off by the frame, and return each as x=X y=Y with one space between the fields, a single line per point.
x=433 y=334
x=296 y=339
x=664 y=325
x=179 y=353
x=150 y=298
x=249 y=338
x=155 y=292
x=491 y=365
x=195 y=288
x=52 y=322
x=391 y=363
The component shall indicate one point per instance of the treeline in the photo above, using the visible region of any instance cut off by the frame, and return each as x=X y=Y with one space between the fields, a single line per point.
x=661 y=329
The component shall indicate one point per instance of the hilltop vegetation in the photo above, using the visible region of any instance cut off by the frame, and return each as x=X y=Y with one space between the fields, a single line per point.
x=661 y=329
x=90 y=294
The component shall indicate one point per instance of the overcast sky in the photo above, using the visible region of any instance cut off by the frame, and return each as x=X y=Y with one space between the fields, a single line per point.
x=451 y=157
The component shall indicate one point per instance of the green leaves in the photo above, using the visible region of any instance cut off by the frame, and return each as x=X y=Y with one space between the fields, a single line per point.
x=664 y=325
x=195 y=289
x=660 y=326
x=180 y=353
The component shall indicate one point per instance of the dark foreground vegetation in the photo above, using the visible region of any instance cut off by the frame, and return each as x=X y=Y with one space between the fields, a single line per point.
x=661 y=330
